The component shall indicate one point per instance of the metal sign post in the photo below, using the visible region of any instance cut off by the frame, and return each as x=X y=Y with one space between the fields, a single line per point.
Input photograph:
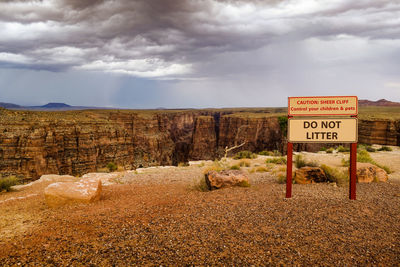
x=311 y=128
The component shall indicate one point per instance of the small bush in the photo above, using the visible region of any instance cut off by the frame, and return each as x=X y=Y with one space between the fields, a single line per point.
x=335 y=176
x=7 y=182
x=322 y=149
x=243 y=184
x=370 y=149
x=266 y=153
x=312 y=163
x=277 y=160
x=282 y=178
x=201 y=185
x=245 y=154
x=329 y=150
x=244 y=163
x=277 y=153
x=261 y=169
x=299 y=162
x=282 y=169
x=343 y=149
x=385 y=148
x=364 y=156
x=235 y=167
x=183 y=164
x=111 y=166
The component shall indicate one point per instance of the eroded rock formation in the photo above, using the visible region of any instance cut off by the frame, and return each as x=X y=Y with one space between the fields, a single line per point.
x=79 y=142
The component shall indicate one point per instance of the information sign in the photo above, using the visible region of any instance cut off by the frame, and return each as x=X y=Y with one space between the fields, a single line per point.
x=323 y=106
x=326 y=130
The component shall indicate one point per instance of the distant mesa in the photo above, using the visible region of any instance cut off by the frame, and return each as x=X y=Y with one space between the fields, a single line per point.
x=380 y=102
x=9 y=105
x=56 y=105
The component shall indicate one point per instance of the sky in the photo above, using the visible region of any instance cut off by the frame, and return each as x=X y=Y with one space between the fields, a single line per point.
x=197 y=53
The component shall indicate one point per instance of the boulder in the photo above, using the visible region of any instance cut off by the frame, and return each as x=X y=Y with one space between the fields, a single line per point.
x=47 y=179
x=226 y=178
x=368 y=173
x=310 y=175
x=84 y=191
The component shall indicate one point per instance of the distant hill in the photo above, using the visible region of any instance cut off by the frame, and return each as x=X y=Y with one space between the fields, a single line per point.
x=380 y=102
x=56 y=105
x=47 y=107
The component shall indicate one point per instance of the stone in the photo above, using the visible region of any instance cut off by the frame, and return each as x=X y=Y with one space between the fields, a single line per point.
x=226 y=178
x=310 y=175
x=84 y=191
x=368 y=173
x=46 y=179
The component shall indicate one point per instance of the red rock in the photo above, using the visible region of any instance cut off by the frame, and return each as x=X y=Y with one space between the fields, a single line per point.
x=84 y=191
x=368 y=173
x=310 y=175
x=227 y=178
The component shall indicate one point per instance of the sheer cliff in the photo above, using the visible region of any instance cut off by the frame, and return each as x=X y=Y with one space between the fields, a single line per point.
x=76 y=142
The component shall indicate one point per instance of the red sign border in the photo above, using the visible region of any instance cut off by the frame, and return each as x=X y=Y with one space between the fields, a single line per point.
x=310 y=115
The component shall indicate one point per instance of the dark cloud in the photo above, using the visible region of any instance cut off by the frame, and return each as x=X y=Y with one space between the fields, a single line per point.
x=202 y=40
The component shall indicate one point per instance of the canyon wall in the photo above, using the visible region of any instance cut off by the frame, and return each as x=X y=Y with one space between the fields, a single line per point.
x=77 y=142
x=73 y=142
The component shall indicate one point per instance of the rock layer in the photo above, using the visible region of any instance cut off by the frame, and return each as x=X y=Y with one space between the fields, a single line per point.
x=79 y=142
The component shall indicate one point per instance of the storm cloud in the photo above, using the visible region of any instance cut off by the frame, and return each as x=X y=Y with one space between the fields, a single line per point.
x=210 y=45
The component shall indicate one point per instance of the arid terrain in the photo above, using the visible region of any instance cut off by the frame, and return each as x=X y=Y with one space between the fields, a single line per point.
x=158 y=216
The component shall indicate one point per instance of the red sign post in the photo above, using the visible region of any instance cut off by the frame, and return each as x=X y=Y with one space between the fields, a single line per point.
x=312 y=128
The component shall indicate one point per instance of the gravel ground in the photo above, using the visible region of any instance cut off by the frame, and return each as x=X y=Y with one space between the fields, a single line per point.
x=156 y=217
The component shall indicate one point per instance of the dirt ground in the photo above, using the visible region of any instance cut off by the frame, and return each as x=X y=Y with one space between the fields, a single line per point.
x=156 y=216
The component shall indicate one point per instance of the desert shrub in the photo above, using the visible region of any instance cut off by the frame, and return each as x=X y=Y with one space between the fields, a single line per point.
x=312 y=163
x=7 y=182
x=183 y=164
x=244 y=163
x=322 y=149
x=262 y=169
x=201 y=185
x=385 y=148
x=370 y=149
x=364 y=156
x=266 y=153
x=201 y=165
x=343 y=149
x=276 y=160
x=245 y=154
x=282 y=169
x=283 y=124
x=277 y=153
x=235 y=167
x=335 y=175
x=111 y=166
x=329 y=150
x=299 y=162
x=282 y=179
x=216 y=166
x=243 y=184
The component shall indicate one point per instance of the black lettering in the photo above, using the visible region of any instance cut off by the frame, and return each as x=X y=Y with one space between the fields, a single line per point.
x=324 y=124
x=314 y=124
x=334 y=135
x=338 y=124
x=306 y=124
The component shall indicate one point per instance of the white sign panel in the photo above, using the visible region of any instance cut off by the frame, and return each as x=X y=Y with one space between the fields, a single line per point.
x=326 y=130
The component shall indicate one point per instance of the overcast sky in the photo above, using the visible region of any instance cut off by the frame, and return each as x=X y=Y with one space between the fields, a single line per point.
x=197 y=53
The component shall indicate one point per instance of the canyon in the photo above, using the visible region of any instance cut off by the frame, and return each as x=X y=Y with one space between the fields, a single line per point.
x=34 y=143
